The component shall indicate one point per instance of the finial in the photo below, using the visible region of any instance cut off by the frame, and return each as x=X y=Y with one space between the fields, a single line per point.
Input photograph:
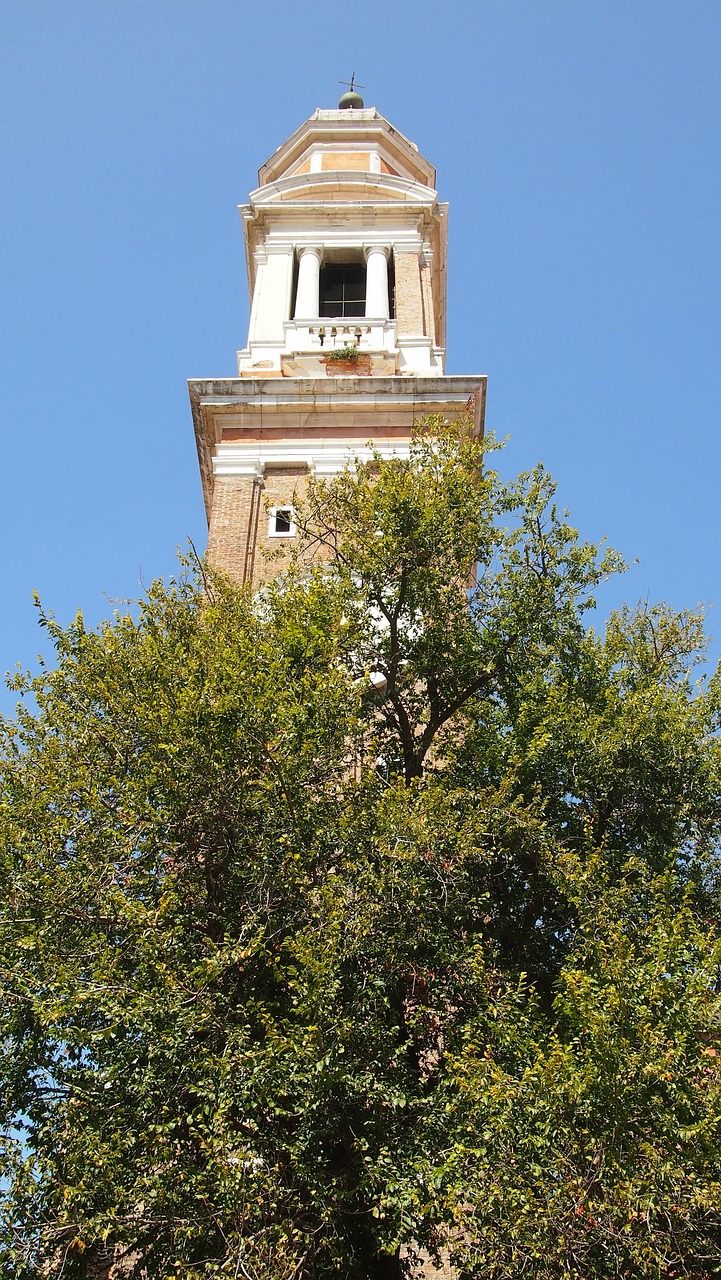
x=351 y=101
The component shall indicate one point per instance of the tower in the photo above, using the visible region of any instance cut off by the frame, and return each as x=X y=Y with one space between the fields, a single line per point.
x=345 y=244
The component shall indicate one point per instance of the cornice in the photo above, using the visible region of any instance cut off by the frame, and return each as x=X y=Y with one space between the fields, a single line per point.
x=310 y=410
x=377 y=183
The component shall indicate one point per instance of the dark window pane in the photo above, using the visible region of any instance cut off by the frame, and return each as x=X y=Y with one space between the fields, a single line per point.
x=332 y=289
x=282 y=520
x=354 y=284
x=342 y=290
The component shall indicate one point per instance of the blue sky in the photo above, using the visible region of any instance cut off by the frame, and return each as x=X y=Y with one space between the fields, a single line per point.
x=578 y=144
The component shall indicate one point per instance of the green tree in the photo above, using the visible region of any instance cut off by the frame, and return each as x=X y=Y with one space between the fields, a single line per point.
x=376 y=911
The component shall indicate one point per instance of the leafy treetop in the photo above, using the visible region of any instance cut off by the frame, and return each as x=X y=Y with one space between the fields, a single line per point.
x=376 y=912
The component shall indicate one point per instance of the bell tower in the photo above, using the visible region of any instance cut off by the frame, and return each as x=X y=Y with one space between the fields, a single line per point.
x=345 y=244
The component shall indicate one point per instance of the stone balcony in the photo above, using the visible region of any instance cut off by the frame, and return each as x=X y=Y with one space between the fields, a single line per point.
x=305 y=345
x=326 y=335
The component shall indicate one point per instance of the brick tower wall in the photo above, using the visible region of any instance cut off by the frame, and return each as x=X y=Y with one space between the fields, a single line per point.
x=238 y=538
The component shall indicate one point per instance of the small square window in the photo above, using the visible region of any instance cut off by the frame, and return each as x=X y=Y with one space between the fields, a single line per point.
x=282 y=522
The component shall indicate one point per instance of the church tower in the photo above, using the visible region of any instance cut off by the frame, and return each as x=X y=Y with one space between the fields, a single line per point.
x=345 y=243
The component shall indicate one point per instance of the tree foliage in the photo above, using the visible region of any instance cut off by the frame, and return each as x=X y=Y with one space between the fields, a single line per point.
x=376 y=912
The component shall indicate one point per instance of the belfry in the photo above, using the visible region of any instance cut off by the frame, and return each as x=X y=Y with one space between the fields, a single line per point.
x=345 y=244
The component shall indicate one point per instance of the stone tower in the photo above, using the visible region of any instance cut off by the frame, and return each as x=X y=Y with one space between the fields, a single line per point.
x=345 y=243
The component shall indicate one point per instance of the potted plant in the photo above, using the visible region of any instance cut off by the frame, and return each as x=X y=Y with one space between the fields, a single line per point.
x=347 y=359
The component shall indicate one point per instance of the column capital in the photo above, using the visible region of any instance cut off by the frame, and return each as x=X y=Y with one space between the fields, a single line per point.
x=317 y=249
x=385 y=249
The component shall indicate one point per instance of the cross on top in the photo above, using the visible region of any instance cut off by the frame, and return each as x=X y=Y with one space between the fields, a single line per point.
x=352 y=84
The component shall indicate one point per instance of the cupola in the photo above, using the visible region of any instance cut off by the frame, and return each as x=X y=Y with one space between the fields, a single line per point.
x=346 y=247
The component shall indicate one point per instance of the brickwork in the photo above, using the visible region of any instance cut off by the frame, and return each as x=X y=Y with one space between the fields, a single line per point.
x=238 y=538
x=233 y=517
x=409 y=299
x=358 y=160
x=429 y=320
x=282 y=487
x=427 y=1270
x=431 y=1272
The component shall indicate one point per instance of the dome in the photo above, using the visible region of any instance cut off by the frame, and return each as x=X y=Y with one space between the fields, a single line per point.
x=351 y=101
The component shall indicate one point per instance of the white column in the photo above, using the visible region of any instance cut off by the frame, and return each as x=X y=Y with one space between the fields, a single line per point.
x=307 y=298
x=377 y=283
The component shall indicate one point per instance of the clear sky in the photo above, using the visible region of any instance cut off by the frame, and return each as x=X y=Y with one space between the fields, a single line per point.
x=578 y=144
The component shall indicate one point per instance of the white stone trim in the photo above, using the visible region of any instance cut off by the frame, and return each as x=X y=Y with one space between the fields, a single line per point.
x=350 y=234
x=323 y=459
x=414 y=340
x=249 y=465
x=405 y=188
x=273 y=512
x=376 y=334
x=330 y=399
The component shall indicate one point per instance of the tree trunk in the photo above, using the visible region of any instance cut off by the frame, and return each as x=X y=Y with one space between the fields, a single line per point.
x=386 y=1267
